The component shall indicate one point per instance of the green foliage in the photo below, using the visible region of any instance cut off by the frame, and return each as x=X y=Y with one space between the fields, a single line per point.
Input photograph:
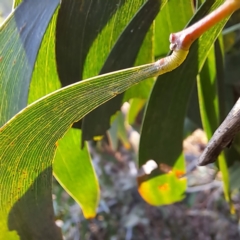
x=44 y=46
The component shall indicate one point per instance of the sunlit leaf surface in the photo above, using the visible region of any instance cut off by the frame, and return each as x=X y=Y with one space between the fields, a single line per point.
x=20 y=38
x=29 y=141
x=70 y=160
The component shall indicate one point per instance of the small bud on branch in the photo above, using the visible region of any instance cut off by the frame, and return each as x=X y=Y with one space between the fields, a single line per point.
x=180 y=42
x=184 y=39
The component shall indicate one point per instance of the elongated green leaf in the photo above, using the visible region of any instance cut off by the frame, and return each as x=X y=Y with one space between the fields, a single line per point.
x=220 y=67
x=44 y=81
x=207 y=93
x=157 y=139
x=209 y=101
x=69 y=167
x=73 y=169
x=77 y=30
x=219 y=54
x=28 y=144
x=122 y=56
x=22 y=34
x=162 y=131
x=20 y=38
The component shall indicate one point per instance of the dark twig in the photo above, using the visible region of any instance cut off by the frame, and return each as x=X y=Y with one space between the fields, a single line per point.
x=222 y=137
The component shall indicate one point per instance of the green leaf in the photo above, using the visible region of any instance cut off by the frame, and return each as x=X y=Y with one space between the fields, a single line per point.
x=20 y=37
x=22 y=33
x=234 y=173
x=158 y=188
x=162 y=131
x=222 y=113
x=121 y=56
x=45 y=80
x=172 y=18
x=210 y=101
x=28 y=145
x=95 y=39
x=83 y=54
x=16 y=3
x=207 y=94
x=73 y=169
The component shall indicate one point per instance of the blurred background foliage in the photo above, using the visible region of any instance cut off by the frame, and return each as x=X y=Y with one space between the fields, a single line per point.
x=122 y=213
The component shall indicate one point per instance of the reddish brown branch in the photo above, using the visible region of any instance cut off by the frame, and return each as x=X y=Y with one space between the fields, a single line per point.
x=184 y=39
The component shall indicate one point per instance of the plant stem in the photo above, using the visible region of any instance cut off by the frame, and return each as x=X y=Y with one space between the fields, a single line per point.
x=184 y=39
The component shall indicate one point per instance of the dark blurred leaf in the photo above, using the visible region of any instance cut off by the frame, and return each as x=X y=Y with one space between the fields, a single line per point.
x=232 y=68
x=234 y=176
x=229 y=40
x=208 y=97
x=193 y=112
